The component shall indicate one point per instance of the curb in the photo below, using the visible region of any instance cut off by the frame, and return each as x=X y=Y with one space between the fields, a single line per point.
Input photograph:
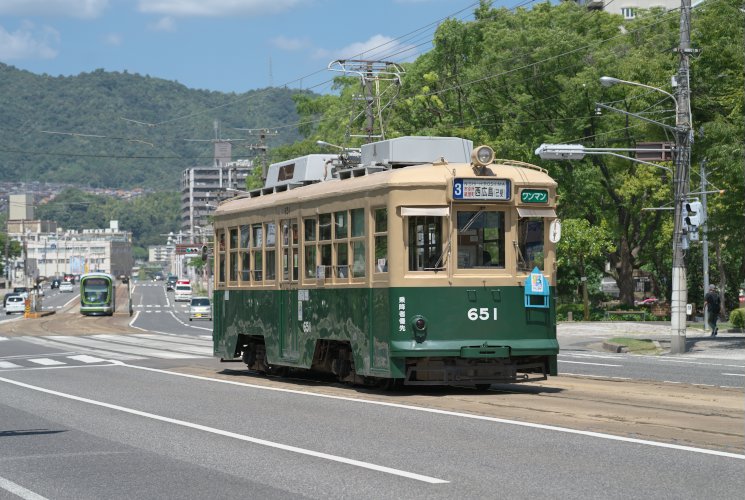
x=614 y=347
x=37 y=315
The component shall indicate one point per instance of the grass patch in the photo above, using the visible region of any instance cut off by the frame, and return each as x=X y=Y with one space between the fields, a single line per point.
x=639 y=346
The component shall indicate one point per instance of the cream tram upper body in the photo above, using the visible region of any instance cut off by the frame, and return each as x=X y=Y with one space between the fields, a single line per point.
x=454 y=199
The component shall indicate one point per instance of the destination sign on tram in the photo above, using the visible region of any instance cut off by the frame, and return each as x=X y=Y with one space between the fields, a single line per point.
x=481 y=189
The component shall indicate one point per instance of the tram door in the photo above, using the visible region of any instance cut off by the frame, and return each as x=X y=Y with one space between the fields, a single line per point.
x=291 y=314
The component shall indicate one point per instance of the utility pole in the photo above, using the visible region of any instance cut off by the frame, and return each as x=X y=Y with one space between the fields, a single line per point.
x=684 y=129
x=704 y=237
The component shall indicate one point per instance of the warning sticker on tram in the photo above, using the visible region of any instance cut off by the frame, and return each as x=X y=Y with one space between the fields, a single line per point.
x=481 y=189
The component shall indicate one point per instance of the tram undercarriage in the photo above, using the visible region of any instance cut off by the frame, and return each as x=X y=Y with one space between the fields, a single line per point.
x=336 y=358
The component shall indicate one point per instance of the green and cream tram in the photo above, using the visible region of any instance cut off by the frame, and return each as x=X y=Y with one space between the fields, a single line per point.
x=97 y=294
x=428 y=263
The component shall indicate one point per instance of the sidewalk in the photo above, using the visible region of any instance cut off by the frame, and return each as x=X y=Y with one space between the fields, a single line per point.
x=725 y=345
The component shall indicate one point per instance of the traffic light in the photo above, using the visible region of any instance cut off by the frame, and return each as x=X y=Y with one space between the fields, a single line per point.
x=693 y=217
x=205 y=253
x=192 y=251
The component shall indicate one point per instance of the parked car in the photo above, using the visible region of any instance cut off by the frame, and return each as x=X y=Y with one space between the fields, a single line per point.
x=66 y=286
x=200 y=308
x=15 y=303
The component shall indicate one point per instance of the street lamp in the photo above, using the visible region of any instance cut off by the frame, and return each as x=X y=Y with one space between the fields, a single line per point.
x=680 y=182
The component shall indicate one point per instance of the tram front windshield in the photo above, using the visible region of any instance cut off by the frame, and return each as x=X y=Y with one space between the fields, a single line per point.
x=480 y=239
x=96 y=290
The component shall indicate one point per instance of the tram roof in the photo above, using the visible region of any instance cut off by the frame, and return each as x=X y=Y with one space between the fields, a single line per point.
x=429 y=175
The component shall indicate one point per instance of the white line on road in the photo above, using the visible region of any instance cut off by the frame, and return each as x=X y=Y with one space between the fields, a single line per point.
x=734 y=374
x=241 y=437
x=8 y=364
x=586 y=363
x=19 y=490
x=46 y=361
x=599 y=435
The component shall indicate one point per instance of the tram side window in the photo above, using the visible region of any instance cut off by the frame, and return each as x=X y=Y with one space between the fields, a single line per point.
x=481 y=241
x=221 y=256
x=270 y=254
x=530 y=243
x=309 y=260
x=425 y=243
x=245 y=253
x=257 y=240
x=381 y=240
x=233 y=257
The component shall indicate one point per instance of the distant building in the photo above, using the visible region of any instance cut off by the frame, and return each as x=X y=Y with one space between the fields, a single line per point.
x=77 y=252
x=202 y=188
x=629 y=8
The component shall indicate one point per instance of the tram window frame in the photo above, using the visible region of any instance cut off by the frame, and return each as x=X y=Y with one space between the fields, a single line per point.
x=245 y=253
x=289 y=247
x=478 y=247
x=431 y=252
x=270 y=252
x=257 y=243
x=220 y=238
x=380 y=238
x=233 y=256
x=531 y=254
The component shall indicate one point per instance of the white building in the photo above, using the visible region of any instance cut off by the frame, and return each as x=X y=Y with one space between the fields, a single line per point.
x=629 y=8
x=76 y=252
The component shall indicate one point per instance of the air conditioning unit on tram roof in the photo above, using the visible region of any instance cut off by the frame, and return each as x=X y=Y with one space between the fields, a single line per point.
x=303 y=170
x=415 y=150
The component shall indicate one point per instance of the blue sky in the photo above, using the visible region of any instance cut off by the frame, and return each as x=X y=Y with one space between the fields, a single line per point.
x=223 y=45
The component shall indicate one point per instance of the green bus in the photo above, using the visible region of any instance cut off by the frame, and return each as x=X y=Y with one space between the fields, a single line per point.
x=97 y=294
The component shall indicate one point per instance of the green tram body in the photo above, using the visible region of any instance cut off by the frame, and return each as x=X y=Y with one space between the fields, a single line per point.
x=97 y=294
x=373 y=313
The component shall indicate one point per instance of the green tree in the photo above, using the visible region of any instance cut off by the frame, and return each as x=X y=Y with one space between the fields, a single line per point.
x=582 y=251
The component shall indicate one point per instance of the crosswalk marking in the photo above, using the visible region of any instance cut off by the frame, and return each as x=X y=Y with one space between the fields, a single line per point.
x=90 y=350
x=46 y=362
x=84 y=358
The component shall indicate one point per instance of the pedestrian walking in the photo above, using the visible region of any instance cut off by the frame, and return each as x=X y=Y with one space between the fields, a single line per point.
x=712 y=304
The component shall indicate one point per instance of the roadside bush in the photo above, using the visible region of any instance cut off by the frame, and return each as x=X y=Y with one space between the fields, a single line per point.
x=737 y=318
x=562 y=312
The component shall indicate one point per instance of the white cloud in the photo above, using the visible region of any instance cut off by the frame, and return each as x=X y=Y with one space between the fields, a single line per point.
x=86 y=9
x=216 y=8
x=290 y=44
x=376 y=47
x=164 y=24
x=114 y=39
x=28 y=43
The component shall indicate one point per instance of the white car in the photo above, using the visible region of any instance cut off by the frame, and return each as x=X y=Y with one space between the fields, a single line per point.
x=182 y=293
x=15 y=303
x=200 y=308
x=66 y=286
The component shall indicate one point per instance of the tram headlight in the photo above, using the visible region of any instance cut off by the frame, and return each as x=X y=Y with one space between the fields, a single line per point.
x=482 y=156
x=419 y=325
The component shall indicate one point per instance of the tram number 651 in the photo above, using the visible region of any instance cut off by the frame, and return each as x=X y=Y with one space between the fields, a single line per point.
x=482 y=313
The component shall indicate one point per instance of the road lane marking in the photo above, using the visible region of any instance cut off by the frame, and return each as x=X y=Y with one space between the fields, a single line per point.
x=554 y=428
x=18 y=490
x=233 y=435
x=129 y=349
x=84 y=358
x=734 y=374
x=46 y=362
x=8 y=364
x=586 y=363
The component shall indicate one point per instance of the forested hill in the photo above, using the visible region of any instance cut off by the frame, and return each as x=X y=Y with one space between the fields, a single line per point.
x=111 y=129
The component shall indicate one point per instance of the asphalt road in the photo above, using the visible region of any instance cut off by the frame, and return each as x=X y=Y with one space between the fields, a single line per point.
x=91 y=413
x=120 y=430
